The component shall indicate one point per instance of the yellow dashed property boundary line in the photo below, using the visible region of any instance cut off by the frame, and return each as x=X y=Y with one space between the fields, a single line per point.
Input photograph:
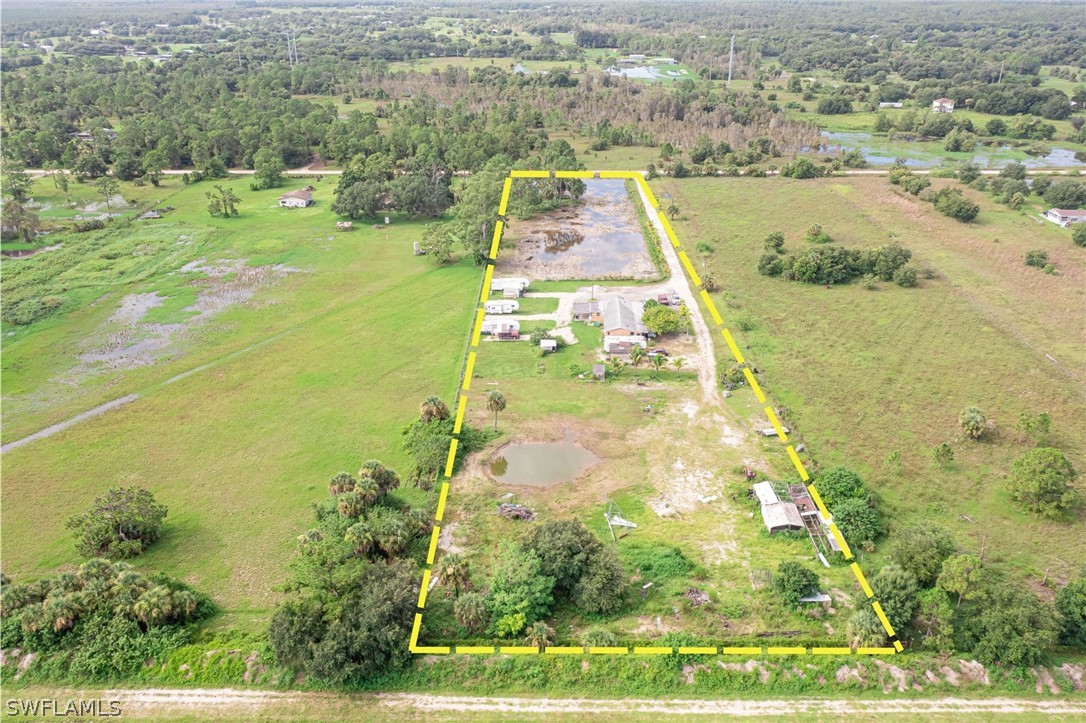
x=462 y=401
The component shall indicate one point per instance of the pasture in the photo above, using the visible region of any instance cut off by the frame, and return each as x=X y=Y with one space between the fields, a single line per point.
x=863 y=374
x=239 y=427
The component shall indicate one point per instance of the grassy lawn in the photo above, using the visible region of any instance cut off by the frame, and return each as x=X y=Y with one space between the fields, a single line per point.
x=866 y=373
x=311 y=376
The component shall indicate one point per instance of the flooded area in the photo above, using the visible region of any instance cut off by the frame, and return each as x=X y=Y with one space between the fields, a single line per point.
x=599 y=238
x=882 y=151
x=540 y=464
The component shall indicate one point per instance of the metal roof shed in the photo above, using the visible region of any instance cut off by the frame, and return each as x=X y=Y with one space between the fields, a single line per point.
x=781 y=517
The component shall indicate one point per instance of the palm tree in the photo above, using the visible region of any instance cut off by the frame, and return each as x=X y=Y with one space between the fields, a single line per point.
x=453 y=571
x=540 y=635
x=362 y=538
x=341 y=483
x=351 y=504
x=672 y=211
x=154 y=606
x=678 y=363
x=470 y=611
x=614 y=366
x=433 y=409
x=385 y=478
x=657 y=361
x=495 y=402
x=636 y=355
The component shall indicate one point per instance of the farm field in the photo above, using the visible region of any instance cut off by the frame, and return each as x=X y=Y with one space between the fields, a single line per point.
x=310 y=372
x=863 y=374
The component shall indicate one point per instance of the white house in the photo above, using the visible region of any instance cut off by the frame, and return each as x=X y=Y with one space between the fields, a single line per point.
x=296 y=199
x=942 y=105
x=622 y=326
x=1065 y=217
x=885 y=104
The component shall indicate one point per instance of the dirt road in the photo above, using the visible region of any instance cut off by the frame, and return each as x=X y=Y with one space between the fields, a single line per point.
x=706 y=361
x=241 y=704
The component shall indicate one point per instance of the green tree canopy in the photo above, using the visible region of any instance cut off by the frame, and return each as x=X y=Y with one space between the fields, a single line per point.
x=121 y=523
x=1041 y=480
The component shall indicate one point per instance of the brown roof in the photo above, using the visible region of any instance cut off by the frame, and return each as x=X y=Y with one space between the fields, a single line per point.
x=1067 y=212
x=303 y=195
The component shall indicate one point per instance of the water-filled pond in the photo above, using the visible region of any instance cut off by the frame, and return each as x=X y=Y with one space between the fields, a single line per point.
x=540 y=463
x=881 y=151
x=599 y=238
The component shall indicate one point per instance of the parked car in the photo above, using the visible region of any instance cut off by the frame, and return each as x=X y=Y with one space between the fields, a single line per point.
x=656 y=352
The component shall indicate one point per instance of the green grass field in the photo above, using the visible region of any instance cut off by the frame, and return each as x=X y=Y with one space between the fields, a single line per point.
x=313 y=375
x=866 y=373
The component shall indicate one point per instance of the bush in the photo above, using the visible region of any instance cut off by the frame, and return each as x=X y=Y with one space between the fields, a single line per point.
x=816 y=235
x=120 y=524
x=838 y=484
x=920 y=549
x=1037 y=258
x=950 y=202
x=770 y=265
x=774 y=242
x=662 y=320
x=1041 y=481
x=973 y=422
x=906 y=277
x=857 y=520
x=800 y=168
x=794 y=581
x=1078 y=234
x=1071 y=604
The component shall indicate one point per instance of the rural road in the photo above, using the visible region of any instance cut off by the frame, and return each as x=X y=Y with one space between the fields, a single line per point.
x=248 y=704
x=305 y=171
x=706 y=362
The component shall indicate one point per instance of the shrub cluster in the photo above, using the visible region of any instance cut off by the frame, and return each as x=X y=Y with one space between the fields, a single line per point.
x=828 y=264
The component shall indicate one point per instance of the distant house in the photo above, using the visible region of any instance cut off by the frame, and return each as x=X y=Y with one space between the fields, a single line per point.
x=778 y=516
x=942 y=105
x=890 y=105
x=296 y=199
x=587 y=311
x=502 y=306
x=1065 y=217
x=87 y=137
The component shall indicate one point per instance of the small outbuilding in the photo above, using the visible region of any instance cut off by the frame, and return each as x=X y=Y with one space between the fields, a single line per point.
x=548 y=345
x=781 y=517
x=599 y=371
x=296 y=199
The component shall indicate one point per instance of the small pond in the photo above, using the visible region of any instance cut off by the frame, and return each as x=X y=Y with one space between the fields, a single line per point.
x=881 y=151
x=540 y=464
x=599 y=238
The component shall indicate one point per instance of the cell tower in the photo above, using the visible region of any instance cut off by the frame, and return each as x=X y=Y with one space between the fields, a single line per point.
x=731 y=59
x=292 y=47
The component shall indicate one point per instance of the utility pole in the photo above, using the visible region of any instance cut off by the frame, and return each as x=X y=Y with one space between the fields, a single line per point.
x=731 y=59
x=1000 y=73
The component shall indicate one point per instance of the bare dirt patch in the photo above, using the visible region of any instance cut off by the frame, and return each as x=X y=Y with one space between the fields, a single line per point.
x=126 y=342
